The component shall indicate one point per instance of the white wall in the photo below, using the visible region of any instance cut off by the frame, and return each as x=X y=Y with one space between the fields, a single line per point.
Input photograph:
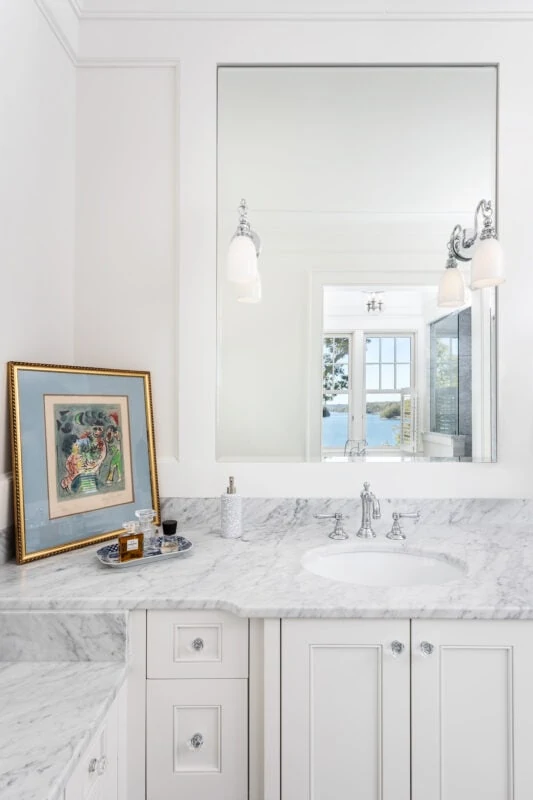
x=126 y=226
x=199 y=47
x=37 y=181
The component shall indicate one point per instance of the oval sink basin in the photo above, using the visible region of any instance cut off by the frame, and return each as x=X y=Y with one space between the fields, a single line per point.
x=381 y=567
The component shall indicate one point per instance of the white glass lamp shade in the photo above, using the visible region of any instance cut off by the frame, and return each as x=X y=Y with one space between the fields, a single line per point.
x=451 y=289
x=487 y=264
x=250 y=292
x=242 y=260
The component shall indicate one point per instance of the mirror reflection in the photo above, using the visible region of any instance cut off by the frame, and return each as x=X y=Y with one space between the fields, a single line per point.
x=341 y=346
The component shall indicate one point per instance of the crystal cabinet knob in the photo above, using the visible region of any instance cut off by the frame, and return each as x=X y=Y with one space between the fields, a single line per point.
x=198 y=645
x=426 y=648
x=98 y=765
x=397 y=648
x=196 y=741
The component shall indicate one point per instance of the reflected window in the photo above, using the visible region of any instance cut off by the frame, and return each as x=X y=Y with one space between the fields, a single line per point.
x=388 y=370
x=336 y=412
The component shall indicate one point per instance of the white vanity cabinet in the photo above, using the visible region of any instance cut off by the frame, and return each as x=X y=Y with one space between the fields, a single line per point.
x=345 y=709
x=449 y=717
x=197 y=706
x=472 y=706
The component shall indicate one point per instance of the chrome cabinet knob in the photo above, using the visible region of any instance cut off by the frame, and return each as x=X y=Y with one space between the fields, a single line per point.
x=397 y=648
x=196 y=741
x=93 y=765
x=426 y=648
x=198 y=644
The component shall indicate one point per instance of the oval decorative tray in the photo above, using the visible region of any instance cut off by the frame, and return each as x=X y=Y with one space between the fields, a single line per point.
x=108 y=555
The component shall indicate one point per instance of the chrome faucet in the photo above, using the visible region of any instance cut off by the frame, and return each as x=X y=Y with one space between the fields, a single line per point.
x=371 y=510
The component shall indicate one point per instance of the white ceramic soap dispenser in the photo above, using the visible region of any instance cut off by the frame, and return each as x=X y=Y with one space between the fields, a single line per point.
x=231 y=512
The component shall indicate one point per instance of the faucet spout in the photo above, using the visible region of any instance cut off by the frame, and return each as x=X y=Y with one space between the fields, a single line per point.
x=370 y=509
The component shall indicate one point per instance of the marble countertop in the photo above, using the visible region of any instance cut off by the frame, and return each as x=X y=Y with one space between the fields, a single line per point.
x=260 y=575
x=48 y=715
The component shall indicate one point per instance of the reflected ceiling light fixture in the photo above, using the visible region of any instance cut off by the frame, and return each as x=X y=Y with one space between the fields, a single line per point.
x=481 y=247
x=244 y=250
x=375 y=304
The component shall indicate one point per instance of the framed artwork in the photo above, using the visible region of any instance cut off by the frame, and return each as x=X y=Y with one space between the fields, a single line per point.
x=83 y=454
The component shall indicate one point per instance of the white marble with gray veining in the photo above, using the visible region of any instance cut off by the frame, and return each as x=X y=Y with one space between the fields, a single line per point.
x=48 y=715
x=261 y=575
x=63 y=636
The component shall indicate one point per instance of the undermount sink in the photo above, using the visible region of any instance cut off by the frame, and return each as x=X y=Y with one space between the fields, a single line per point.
x=349 y=563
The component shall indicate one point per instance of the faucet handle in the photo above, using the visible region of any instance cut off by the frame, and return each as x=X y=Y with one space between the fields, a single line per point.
x=338 y=532
x=396 y=533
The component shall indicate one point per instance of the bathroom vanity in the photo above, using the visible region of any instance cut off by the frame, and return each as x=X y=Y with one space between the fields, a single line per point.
x=250 y=677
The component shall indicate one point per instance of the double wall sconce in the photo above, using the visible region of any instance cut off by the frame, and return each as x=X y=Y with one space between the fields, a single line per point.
x=243 y=254
x=486 y=257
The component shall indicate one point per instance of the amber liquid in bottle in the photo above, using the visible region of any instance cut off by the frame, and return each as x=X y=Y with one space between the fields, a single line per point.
x=131 y=543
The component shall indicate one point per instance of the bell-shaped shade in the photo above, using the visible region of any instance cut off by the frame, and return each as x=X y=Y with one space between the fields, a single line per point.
x=487 y=264
x=451 y=289
x=242 y=260
x=250 y=292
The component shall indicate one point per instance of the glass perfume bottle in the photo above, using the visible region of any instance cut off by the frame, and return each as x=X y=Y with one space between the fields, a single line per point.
x=130 y=544
x=170 y=541
x=146 y=518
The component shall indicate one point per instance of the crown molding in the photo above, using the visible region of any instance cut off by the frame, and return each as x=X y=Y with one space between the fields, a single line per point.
x=149 y=14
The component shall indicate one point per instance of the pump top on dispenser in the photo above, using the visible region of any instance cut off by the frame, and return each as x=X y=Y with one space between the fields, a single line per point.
x=231 y=512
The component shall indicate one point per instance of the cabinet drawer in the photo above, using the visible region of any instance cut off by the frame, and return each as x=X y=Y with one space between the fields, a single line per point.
x=197 y=740
x=96 y=775
x=192 y=644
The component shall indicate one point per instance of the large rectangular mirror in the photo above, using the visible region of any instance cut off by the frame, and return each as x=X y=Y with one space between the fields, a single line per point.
x=354 y=178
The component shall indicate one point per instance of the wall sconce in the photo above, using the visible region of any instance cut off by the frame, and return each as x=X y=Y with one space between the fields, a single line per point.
x=487 y=258
x=244 y=250
x=250 y=292
x=375 y=305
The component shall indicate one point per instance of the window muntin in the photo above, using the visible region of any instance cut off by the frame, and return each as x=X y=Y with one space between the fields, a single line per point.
x=388 y=370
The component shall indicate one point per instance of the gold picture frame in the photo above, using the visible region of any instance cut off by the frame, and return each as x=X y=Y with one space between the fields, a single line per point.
x=83 y=454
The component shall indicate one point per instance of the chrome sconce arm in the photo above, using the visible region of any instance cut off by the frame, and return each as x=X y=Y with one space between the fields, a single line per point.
x=245 y=229
x=463 y=239
x=479 y=245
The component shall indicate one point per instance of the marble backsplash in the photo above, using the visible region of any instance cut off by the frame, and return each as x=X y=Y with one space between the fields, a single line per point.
x=292 y=512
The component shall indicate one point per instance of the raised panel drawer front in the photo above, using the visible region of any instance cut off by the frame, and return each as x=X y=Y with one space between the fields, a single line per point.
x=472 y=693
x=345 y=710
x=197 y=644
x=197 y=740
x=96 y=775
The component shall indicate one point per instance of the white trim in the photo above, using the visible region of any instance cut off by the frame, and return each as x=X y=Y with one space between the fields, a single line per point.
x=302 y=16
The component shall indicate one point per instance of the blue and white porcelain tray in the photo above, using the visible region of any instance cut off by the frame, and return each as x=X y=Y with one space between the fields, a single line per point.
x=108 y=555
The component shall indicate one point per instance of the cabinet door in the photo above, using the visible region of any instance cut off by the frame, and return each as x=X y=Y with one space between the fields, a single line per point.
x=345 y=710
x=197 y=740
x=472 y=694
x=96 y=775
